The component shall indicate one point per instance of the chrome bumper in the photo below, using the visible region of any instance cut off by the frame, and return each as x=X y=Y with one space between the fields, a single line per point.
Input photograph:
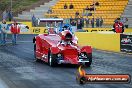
x=63 y=61
x=81 y=60
x=67 y=62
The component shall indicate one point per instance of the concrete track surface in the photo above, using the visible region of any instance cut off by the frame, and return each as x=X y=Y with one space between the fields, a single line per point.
x=18 y=68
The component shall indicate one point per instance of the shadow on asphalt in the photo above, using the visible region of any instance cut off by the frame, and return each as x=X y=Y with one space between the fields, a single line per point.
x=63 y=65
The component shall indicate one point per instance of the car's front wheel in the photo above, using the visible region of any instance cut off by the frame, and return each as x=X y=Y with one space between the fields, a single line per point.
x=52 y=60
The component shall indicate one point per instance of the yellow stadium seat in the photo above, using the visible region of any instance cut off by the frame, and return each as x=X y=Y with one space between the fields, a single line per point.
x=109 y=10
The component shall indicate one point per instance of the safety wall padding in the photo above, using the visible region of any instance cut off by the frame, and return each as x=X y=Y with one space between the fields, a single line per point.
x=109 y=42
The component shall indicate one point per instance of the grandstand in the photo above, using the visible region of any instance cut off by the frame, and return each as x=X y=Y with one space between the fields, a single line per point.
x=109 y=10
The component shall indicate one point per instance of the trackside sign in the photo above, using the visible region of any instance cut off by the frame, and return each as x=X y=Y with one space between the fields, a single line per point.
x=126 y=43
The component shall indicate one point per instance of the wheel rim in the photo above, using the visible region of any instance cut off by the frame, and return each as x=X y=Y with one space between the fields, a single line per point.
x=50 y=60
x=35 y=55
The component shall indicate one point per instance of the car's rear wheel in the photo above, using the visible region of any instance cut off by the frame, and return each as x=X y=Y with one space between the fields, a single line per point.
x=89 y=57
x=37 y=60
x=52 y=59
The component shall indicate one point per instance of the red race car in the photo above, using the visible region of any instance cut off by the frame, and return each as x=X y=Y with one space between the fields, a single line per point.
x=61 y=48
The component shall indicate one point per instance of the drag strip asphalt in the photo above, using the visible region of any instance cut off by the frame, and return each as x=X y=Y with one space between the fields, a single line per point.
x=18 y=68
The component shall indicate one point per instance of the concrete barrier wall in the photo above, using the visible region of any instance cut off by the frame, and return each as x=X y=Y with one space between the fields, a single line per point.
x=110 y=42
x=41 y=30
x=105 y=29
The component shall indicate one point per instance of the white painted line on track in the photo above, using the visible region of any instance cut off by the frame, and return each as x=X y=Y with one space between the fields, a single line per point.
x=2 y=84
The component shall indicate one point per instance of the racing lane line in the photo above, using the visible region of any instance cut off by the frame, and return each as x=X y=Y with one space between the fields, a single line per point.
x=5 y=78
x=19 y=63
x=3 y=84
